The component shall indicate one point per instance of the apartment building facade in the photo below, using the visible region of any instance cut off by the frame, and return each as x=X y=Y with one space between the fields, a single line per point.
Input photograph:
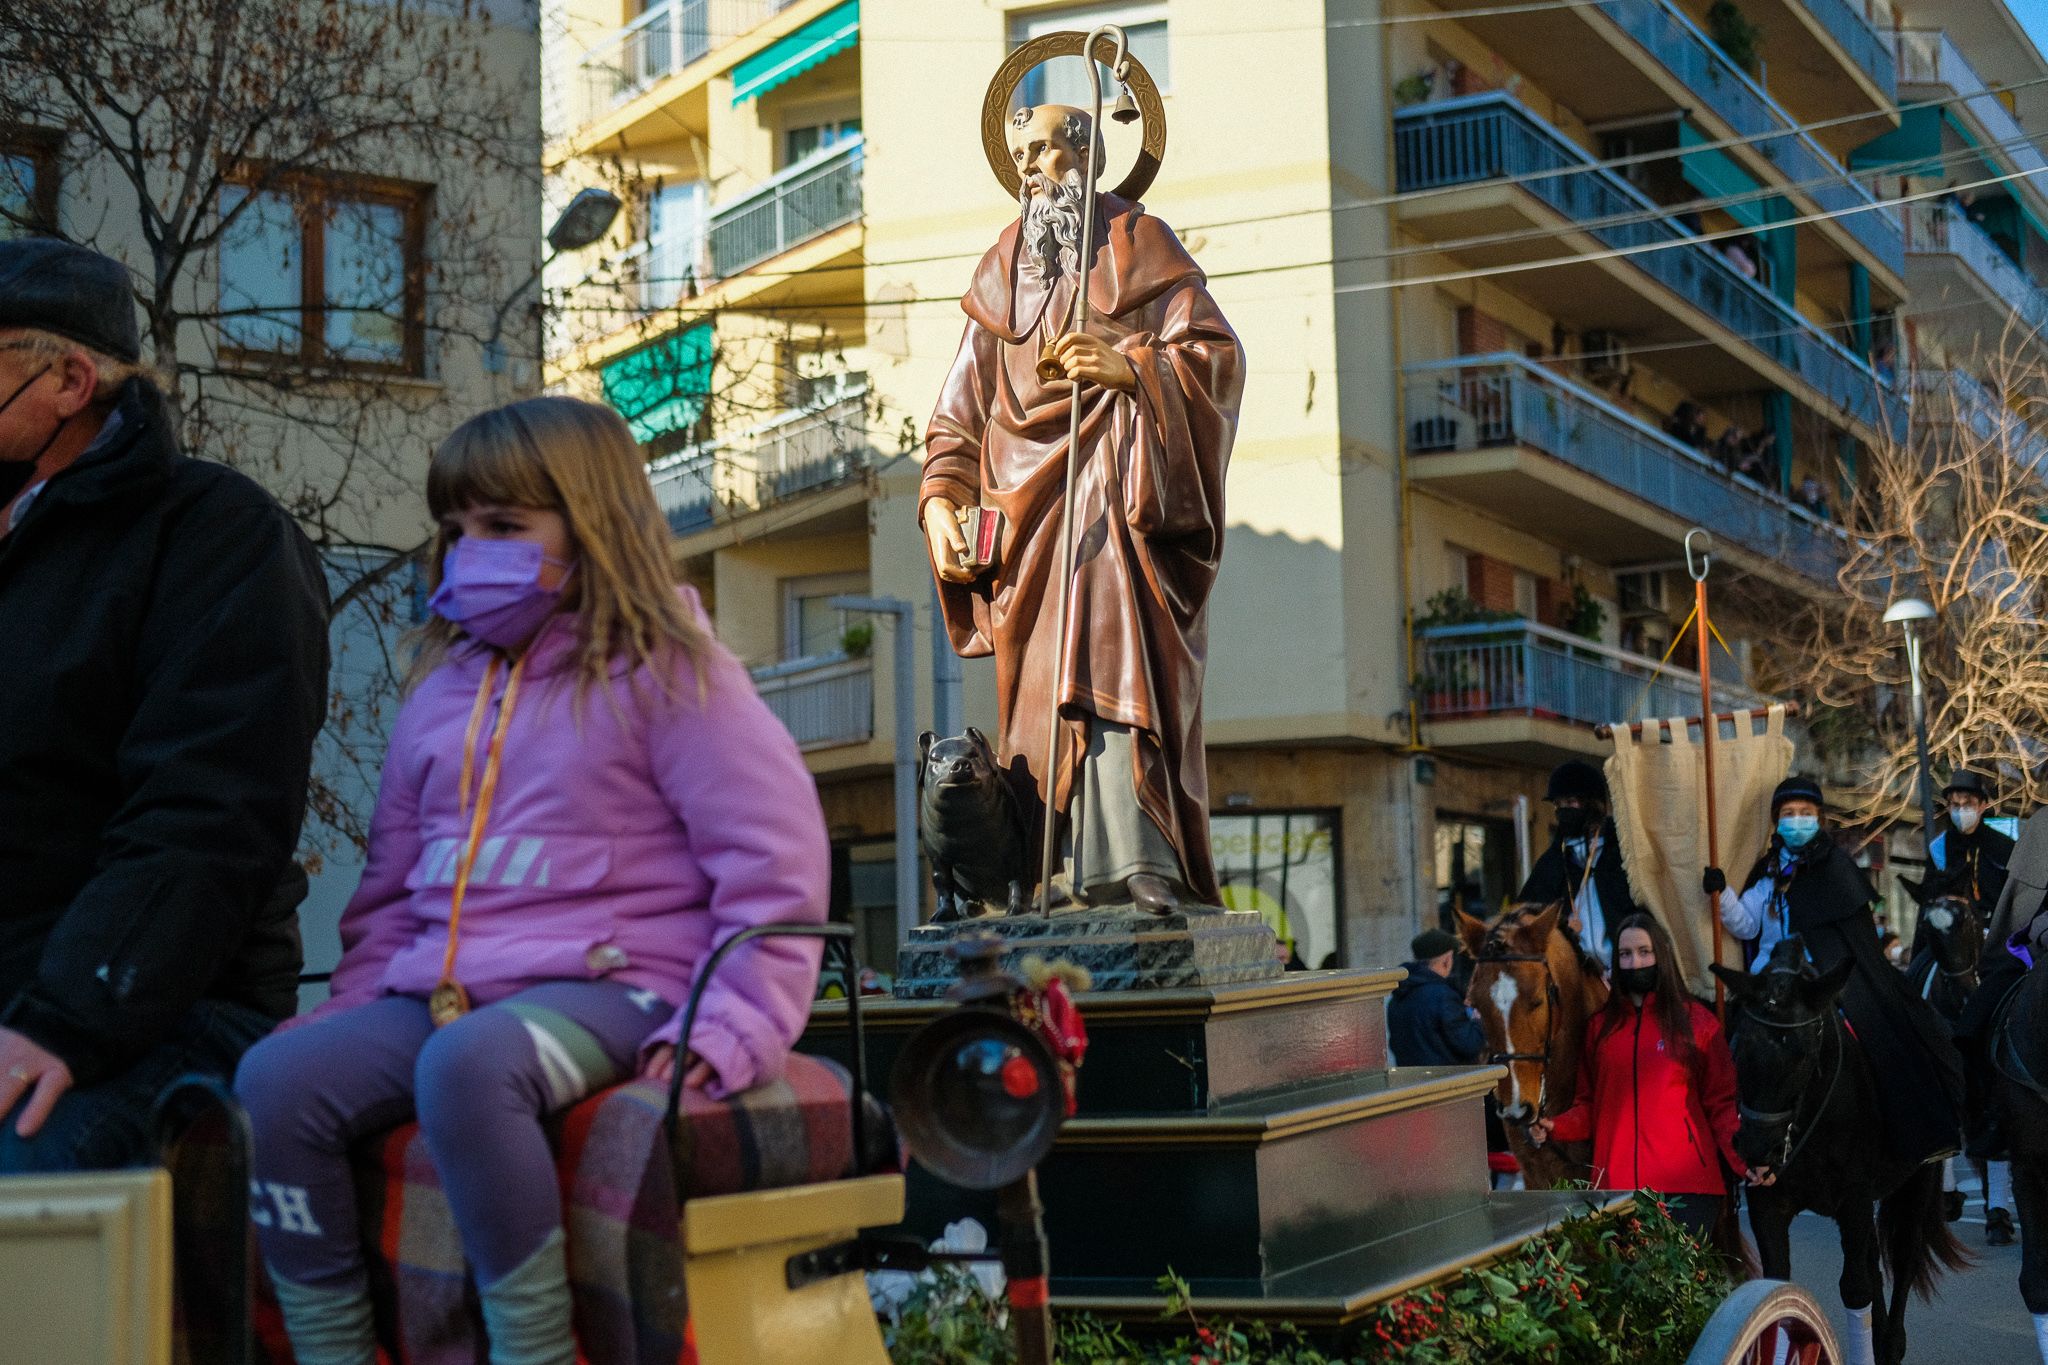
x=1465 y=468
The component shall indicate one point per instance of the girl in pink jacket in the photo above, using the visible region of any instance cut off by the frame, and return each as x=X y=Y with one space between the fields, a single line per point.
x=583 y=797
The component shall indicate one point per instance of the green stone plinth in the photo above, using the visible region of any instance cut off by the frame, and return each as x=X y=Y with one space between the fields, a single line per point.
x=1123 y=948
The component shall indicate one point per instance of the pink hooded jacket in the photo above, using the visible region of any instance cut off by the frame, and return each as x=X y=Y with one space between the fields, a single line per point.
x=626 y=841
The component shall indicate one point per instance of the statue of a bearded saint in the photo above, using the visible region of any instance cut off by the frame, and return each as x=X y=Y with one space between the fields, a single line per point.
x=1163 y=373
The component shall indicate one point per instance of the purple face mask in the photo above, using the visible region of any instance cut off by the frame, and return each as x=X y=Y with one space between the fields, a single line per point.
x=491 y=588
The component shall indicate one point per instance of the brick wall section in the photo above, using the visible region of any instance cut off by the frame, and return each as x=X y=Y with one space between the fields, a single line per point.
x=1479 y=334
x=1492 y=582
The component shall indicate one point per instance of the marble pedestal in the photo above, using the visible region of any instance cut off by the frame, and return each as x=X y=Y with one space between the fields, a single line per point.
x=1123 y=948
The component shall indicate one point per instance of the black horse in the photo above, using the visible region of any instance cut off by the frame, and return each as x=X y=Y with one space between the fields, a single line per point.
x=1948 y=950
x=1808 y=1103
x=2019 y=1062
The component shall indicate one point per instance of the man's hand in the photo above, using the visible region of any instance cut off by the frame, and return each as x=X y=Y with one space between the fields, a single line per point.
x=26 y=1069
x=1713 y=881
x=1095 y=360
x=948 y=544
x=660 y=1067
x=1760 y=1175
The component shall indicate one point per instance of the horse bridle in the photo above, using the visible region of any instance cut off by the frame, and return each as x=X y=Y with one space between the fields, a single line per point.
x=1550 y=1029
x=1789 y=1149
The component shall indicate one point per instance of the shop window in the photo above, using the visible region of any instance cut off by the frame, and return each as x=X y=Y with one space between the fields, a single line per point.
x=1283 y=864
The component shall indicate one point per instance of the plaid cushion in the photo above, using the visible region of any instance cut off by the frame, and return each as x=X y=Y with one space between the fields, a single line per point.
x=621 y=1210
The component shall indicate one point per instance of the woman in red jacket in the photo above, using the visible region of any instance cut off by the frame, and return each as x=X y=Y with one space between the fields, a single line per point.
x=1656 y=1086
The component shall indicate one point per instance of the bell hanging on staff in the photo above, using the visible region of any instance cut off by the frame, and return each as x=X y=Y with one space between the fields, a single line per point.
x=1126 y=110
x=1050 y=371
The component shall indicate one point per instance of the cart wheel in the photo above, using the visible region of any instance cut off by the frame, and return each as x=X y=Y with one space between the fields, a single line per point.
x=1767 y=1322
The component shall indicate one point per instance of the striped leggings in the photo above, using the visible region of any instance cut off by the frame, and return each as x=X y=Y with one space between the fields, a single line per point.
x=479 y=1087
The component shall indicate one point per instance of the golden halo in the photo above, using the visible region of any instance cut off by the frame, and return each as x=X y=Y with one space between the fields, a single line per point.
x=995 y=109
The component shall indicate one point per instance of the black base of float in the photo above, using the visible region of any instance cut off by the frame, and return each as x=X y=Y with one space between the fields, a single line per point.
x=1123 y=948
x=1250 y=1138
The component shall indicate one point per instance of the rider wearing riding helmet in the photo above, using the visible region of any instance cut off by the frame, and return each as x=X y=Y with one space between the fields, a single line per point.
x=2015 y=939
x=1656 y=1094
x=1806 y=885
x=1977 y=854
x=1582 y=867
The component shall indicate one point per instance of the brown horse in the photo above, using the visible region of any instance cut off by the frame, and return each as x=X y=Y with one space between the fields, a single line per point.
x=1534 y=994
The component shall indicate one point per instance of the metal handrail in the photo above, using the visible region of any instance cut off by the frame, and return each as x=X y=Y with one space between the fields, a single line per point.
x=1930 y=57
x=779 y=196
x=1943 y=228
x=1860 y=38
x=841 y=935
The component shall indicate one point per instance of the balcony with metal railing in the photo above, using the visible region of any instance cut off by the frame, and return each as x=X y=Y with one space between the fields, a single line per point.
x=1493 y=137
x=1933 y=67
x=819 y=447
x=1672 y=37
x=821 y=702
x=1942 y=232
x=805 y=201
x=1515 y=668
x=1505 y=404
x=666 y=38
x=1852 y=26
x=1622 y=61
x=1956 y=396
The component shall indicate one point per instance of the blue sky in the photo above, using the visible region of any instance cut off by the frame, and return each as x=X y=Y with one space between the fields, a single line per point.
x=2034 y=16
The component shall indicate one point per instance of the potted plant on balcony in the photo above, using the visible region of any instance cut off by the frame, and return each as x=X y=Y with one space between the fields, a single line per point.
x=1735 y=35
x=858 y=639
x=1452 y=688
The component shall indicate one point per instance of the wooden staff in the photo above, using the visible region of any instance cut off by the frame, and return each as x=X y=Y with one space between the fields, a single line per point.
x=1710 y=730
x=1049 y=851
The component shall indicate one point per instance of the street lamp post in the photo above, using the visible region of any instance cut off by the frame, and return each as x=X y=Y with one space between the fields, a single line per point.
x=904 y=688
x=1907 y=613
x=583 y=223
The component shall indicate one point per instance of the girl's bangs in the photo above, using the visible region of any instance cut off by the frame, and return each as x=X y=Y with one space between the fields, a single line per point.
x=489 y=460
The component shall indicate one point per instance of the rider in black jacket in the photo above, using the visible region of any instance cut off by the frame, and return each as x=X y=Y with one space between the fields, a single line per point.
x=1596 y=896
x=165 y=626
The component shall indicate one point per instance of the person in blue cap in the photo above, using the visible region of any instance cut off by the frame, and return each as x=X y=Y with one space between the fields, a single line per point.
x=164 y=623
x=1806 y=885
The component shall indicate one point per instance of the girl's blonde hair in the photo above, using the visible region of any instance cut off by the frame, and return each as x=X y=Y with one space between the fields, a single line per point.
x=578 y=459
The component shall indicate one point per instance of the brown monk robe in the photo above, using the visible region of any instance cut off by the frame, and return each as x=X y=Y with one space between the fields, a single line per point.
x=1148 y=518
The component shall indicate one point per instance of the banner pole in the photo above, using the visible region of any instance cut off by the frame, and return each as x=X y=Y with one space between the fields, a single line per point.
x=1710 y=726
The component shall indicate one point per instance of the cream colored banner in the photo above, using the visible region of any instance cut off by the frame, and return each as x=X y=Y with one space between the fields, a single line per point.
x=1659 y=783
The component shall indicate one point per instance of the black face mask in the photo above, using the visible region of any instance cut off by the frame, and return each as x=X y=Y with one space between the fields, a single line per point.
x=1573 y=822
x=15 y=474
x=1635 y=980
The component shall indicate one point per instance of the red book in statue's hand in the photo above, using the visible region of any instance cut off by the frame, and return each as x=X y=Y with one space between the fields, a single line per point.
x=983 y=529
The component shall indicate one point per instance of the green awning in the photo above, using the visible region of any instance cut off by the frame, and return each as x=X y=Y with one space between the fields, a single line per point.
x=662 y=388
x=828 y=35
x=1715 y=175
x=1912 y=148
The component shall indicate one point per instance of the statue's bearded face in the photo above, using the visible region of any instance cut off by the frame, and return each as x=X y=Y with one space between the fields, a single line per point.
x=1051 y=211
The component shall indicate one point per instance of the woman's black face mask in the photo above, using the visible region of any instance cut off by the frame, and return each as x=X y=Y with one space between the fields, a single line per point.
x=1635 y=980
x=15 y=474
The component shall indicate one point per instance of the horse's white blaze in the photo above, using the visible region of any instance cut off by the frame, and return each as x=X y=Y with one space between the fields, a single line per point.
x=1941 y=918
x=1502 y=993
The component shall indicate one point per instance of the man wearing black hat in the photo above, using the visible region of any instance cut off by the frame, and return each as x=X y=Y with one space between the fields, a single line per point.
x=1583 y=867
x=1805 y=885
x=1427 y=1023
x=165 y=625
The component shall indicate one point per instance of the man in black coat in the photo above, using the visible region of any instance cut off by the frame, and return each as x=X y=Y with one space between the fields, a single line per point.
x=164 y=624
x=1582 y=867
x=1427 y=1022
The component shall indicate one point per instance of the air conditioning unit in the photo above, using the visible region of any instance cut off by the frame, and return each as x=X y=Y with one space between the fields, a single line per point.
x=1642 y=594
x=1605 y=356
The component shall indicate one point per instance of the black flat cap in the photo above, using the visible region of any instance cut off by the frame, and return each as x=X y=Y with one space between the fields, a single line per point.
x=70 y=291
